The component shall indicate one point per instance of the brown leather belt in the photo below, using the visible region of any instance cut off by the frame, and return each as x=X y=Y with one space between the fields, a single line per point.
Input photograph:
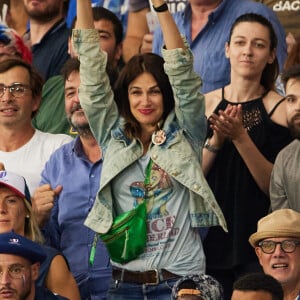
x=151 y=277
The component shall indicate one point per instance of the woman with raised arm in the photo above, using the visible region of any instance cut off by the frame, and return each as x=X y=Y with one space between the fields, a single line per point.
x=248 y=127
x=150 y=129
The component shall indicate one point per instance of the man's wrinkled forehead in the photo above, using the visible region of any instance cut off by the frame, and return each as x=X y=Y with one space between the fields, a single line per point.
x=293 y=82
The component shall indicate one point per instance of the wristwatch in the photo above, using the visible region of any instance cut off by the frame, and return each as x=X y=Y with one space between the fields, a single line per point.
x=210 y=148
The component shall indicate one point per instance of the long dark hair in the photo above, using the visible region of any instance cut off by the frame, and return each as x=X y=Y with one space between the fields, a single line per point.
x=138 y=64
x=271 y=71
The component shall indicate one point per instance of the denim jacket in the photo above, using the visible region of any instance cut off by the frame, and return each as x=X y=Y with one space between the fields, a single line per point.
x=185 y=128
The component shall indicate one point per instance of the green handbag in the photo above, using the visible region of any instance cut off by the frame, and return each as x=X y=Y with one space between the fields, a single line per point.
x=127 y=237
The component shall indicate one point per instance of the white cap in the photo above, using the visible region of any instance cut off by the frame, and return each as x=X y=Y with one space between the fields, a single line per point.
x=15 y=183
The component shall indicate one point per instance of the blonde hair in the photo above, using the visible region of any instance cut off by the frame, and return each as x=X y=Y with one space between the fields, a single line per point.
x=31 y=228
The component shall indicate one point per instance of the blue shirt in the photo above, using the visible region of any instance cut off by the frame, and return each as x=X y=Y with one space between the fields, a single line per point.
x=208 y=46
x=65 y=231
x=118 y=7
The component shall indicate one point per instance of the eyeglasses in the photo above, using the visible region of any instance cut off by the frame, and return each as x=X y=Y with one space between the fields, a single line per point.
x=15 y=271
x=16 y=89
x=287 y=246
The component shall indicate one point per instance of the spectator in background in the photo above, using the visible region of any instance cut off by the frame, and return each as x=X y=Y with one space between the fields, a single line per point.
x=12 y=45
x=285 y=177
x=293 y=57
x=70 y=182
x=118 y=7
x=110 y=31
x=16 y=214
x=20 y=259
x=248 y=128
x=4 y=7
x=48 y=35
x=206 y=26
x=51 y=116
x=288 y=12
x=17 y=17
x=257 y=286
x=138 y=38
x=276 y=243
x=23 y=149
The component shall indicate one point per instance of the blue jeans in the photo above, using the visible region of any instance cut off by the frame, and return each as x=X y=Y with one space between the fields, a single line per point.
x=124 y=291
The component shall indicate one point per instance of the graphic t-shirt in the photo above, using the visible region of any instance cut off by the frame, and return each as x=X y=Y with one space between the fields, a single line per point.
x=172 y=243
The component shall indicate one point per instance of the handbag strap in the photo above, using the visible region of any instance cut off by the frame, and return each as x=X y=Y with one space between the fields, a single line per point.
x=146 y=184
x=148 y=175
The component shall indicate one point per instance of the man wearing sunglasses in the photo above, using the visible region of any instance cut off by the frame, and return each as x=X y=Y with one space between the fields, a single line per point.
x=277 y=246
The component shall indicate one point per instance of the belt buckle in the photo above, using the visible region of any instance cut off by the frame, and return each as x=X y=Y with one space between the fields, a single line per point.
x=157 y=278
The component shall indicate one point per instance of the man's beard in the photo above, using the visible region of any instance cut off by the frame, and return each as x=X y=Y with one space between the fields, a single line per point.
x=24 y=293
x=294 y=129
x=82 y=128
x=46 y=15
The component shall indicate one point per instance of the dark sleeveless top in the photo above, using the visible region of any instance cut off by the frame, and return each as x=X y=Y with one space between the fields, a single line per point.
x=240 y=198
x=44 y=294
x=45 y=266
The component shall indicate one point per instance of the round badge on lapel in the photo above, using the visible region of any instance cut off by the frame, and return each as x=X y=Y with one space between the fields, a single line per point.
x=158 y=137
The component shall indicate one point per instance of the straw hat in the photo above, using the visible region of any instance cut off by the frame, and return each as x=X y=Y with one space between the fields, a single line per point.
x=280 y=223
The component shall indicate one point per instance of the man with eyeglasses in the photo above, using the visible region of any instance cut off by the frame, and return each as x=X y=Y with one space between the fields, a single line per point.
x=20 y=259
x=277 y=246
x=23 y=149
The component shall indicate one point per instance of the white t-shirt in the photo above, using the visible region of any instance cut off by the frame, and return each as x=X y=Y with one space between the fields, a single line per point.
x=29 y=160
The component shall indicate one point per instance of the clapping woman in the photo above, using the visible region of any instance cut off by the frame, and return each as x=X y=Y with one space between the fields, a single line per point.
x=248 y=127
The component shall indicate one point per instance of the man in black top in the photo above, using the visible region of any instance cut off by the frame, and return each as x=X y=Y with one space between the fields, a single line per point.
x=48 y=35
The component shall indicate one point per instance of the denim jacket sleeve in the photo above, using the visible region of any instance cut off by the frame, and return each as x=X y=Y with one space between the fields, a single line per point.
x=95 y=93
x=189 y=102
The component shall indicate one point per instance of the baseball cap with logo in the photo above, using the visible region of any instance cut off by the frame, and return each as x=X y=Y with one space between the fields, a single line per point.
x=13 y=243
x=15 y=183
